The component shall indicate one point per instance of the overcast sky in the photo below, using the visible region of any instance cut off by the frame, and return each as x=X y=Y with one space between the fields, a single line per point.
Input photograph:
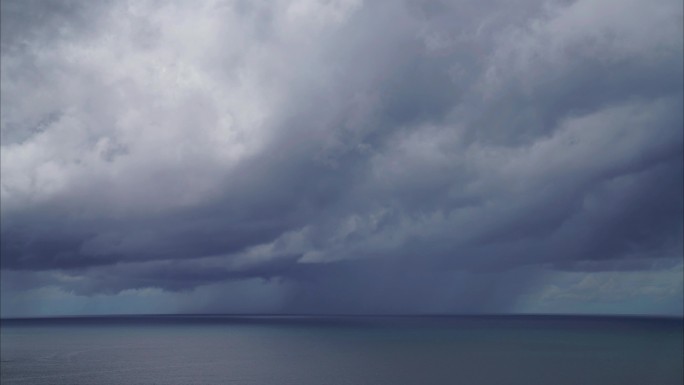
x=342 y=156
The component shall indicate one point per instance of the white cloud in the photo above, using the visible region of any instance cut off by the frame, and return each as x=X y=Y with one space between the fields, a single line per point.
x=180 y=144
x=548 y=49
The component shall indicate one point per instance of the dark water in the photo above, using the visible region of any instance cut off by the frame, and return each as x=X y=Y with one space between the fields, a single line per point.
x=342 y=350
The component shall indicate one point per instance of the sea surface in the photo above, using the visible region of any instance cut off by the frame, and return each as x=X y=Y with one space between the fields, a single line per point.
x=301 y=350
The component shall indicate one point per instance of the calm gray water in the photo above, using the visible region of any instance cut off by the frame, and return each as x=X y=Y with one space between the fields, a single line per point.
x=342 y=350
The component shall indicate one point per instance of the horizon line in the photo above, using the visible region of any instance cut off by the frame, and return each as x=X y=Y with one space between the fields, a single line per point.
x=351 y=315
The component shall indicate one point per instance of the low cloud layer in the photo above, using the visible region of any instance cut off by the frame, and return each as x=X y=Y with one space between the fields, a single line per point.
x=351 y=156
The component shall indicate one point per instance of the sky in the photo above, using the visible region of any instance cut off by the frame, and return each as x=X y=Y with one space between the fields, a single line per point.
x=341 y=157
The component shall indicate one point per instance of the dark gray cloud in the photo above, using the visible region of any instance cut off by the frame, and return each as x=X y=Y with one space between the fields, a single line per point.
x=385 y=156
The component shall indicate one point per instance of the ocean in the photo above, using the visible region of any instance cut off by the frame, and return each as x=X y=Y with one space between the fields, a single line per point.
x=337 y=350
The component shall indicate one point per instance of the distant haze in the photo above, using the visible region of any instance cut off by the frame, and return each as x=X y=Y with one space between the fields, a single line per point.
x=342 y=157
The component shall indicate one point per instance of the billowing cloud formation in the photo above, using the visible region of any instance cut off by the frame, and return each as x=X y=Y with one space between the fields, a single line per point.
x=381 y=155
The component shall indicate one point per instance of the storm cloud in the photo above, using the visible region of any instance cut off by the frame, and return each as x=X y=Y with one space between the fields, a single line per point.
x=350 y=156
